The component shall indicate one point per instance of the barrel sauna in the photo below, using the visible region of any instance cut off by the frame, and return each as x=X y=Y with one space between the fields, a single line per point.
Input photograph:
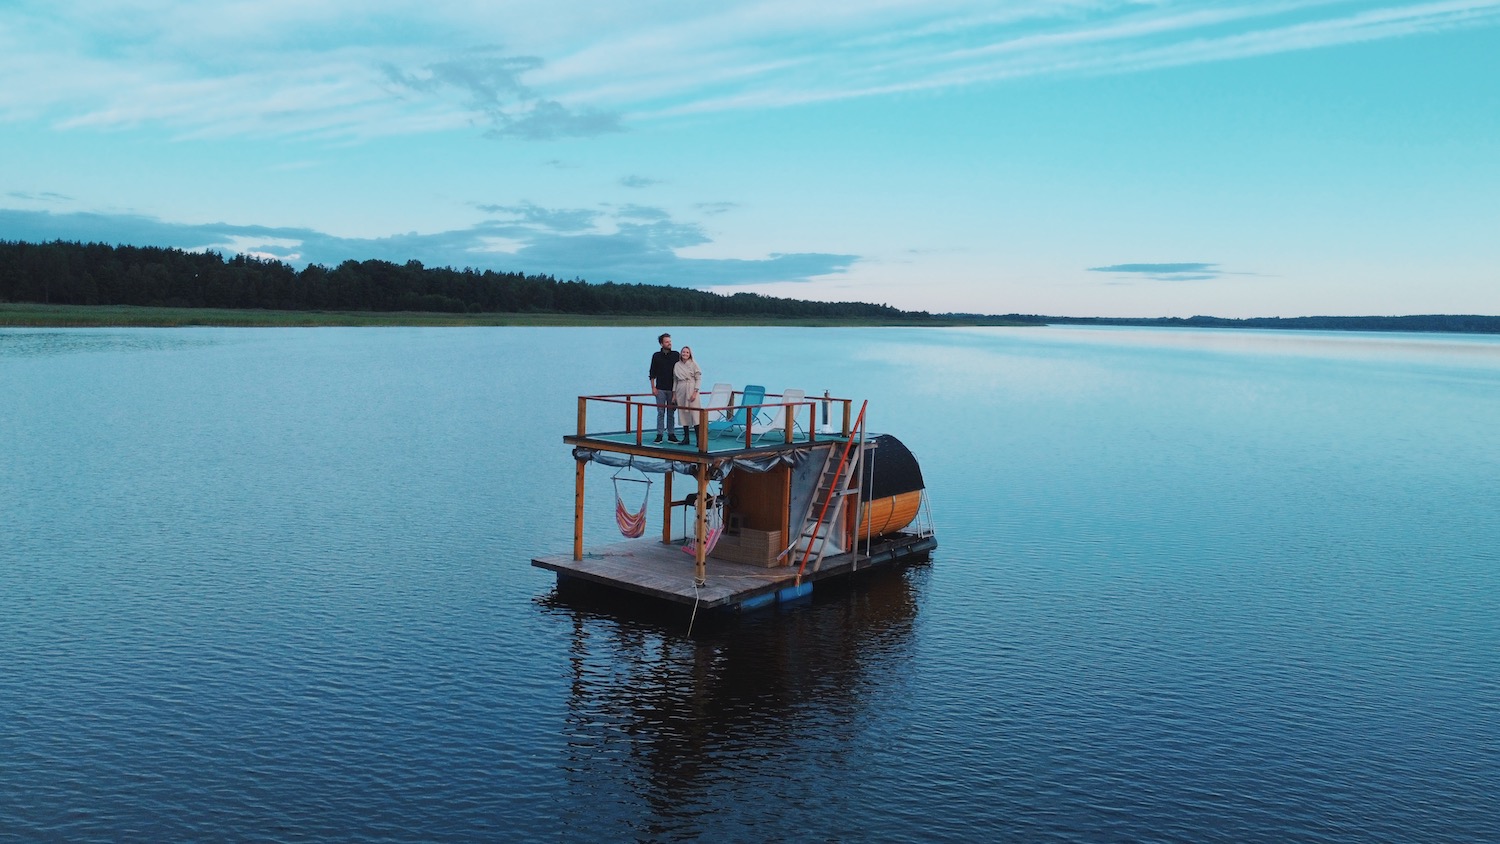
x=892 y=490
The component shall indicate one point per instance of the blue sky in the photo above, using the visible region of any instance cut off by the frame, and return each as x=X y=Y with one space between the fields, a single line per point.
x=1071 y=158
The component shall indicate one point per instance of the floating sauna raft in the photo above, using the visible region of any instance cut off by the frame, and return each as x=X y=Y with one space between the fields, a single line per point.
x=782 y=498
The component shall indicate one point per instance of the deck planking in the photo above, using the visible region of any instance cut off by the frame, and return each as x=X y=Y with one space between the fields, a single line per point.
x=650 y=567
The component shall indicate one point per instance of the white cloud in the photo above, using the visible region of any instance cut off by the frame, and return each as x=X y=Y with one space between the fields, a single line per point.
x=631 y=244
x=526 y=69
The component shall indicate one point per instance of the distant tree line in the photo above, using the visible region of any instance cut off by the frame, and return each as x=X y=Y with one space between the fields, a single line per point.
x=68 y=273
x=1457 y=323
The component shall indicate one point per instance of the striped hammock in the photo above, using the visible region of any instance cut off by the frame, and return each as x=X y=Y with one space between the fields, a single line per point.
x=710 y=539
x=632 y=525
x=710 y=536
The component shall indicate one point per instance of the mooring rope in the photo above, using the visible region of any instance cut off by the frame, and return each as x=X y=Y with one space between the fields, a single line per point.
x=694 y=616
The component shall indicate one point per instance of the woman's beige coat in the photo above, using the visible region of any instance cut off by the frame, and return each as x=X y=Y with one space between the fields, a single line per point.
x=685 y=389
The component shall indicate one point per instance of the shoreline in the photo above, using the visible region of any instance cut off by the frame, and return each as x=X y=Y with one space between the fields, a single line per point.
x=34 y=315
x=27 y=315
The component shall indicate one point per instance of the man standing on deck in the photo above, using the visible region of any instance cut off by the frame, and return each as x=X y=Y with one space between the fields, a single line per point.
x=661 y=385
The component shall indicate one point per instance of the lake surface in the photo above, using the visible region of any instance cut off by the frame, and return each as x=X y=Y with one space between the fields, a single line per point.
x=1192 y=586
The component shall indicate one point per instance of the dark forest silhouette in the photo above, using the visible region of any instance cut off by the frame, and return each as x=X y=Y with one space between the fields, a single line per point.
x=64 y=273
x=70 y=273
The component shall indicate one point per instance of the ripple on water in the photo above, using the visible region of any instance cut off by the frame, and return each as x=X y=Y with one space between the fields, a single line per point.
x=274 y=585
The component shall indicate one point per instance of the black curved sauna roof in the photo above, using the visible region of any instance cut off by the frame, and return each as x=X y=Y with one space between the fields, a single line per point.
x=892 y=470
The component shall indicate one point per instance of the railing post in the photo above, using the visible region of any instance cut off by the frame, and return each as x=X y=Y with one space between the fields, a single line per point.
x=700 y=556
x=583 y=416
x=666 y=511
x=578 y=510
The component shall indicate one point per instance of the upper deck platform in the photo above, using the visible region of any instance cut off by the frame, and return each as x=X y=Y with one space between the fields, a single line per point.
x=625 y=423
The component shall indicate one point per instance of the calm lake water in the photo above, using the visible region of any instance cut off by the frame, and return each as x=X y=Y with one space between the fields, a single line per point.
x=1192 y=586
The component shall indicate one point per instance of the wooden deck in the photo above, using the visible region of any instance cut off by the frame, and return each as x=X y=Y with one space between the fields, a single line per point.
x=650 y=567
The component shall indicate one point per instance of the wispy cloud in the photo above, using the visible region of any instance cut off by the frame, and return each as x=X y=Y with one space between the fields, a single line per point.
x=279 y=68
x=642 y=212
x=1186 y=271
x=552 y=219
x=634 y=181
x=633 y=244
x=39 y=196
x=715 y=208
x=901 y=47
x=488 y=83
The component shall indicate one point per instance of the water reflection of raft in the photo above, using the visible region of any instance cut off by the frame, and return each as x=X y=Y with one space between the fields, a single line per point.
x=774 y=509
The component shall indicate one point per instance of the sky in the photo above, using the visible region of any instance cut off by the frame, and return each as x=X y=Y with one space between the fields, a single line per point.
x=1059 y=157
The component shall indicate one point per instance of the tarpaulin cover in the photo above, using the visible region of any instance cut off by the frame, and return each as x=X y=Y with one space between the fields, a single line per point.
x=716 y=470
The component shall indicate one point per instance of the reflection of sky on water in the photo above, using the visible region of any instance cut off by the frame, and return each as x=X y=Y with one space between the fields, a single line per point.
x=41 y=342
x=286 y=572
x=1063 y=365
x=1330 y=344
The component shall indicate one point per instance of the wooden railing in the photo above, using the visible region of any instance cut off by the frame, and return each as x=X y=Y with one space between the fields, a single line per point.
x=638 y=410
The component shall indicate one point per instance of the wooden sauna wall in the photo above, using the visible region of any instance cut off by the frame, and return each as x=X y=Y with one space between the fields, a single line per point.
x=760 y=499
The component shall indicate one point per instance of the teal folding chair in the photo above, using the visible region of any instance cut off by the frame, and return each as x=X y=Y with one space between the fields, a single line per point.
x=752 y=395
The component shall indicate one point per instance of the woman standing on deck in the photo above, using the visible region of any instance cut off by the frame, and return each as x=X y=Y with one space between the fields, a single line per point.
x=688 y=381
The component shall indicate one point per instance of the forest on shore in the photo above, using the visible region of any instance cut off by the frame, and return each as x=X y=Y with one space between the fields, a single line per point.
x=67 y=273
x=95 y=275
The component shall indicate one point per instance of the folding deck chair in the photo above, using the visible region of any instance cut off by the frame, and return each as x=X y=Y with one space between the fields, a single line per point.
x=774 y=418
x=722 y=396
x=752 y=395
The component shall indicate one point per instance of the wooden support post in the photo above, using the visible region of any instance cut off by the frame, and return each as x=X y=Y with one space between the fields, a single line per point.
x=786 y=510
x=852 y=518
x=702 y=432
x=578 y=505
x=666 y=511
x=847 y=402
x=583 y=416
x=700 y=558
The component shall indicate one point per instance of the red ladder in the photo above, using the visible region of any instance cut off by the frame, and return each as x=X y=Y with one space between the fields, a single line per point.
x=831 y=489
